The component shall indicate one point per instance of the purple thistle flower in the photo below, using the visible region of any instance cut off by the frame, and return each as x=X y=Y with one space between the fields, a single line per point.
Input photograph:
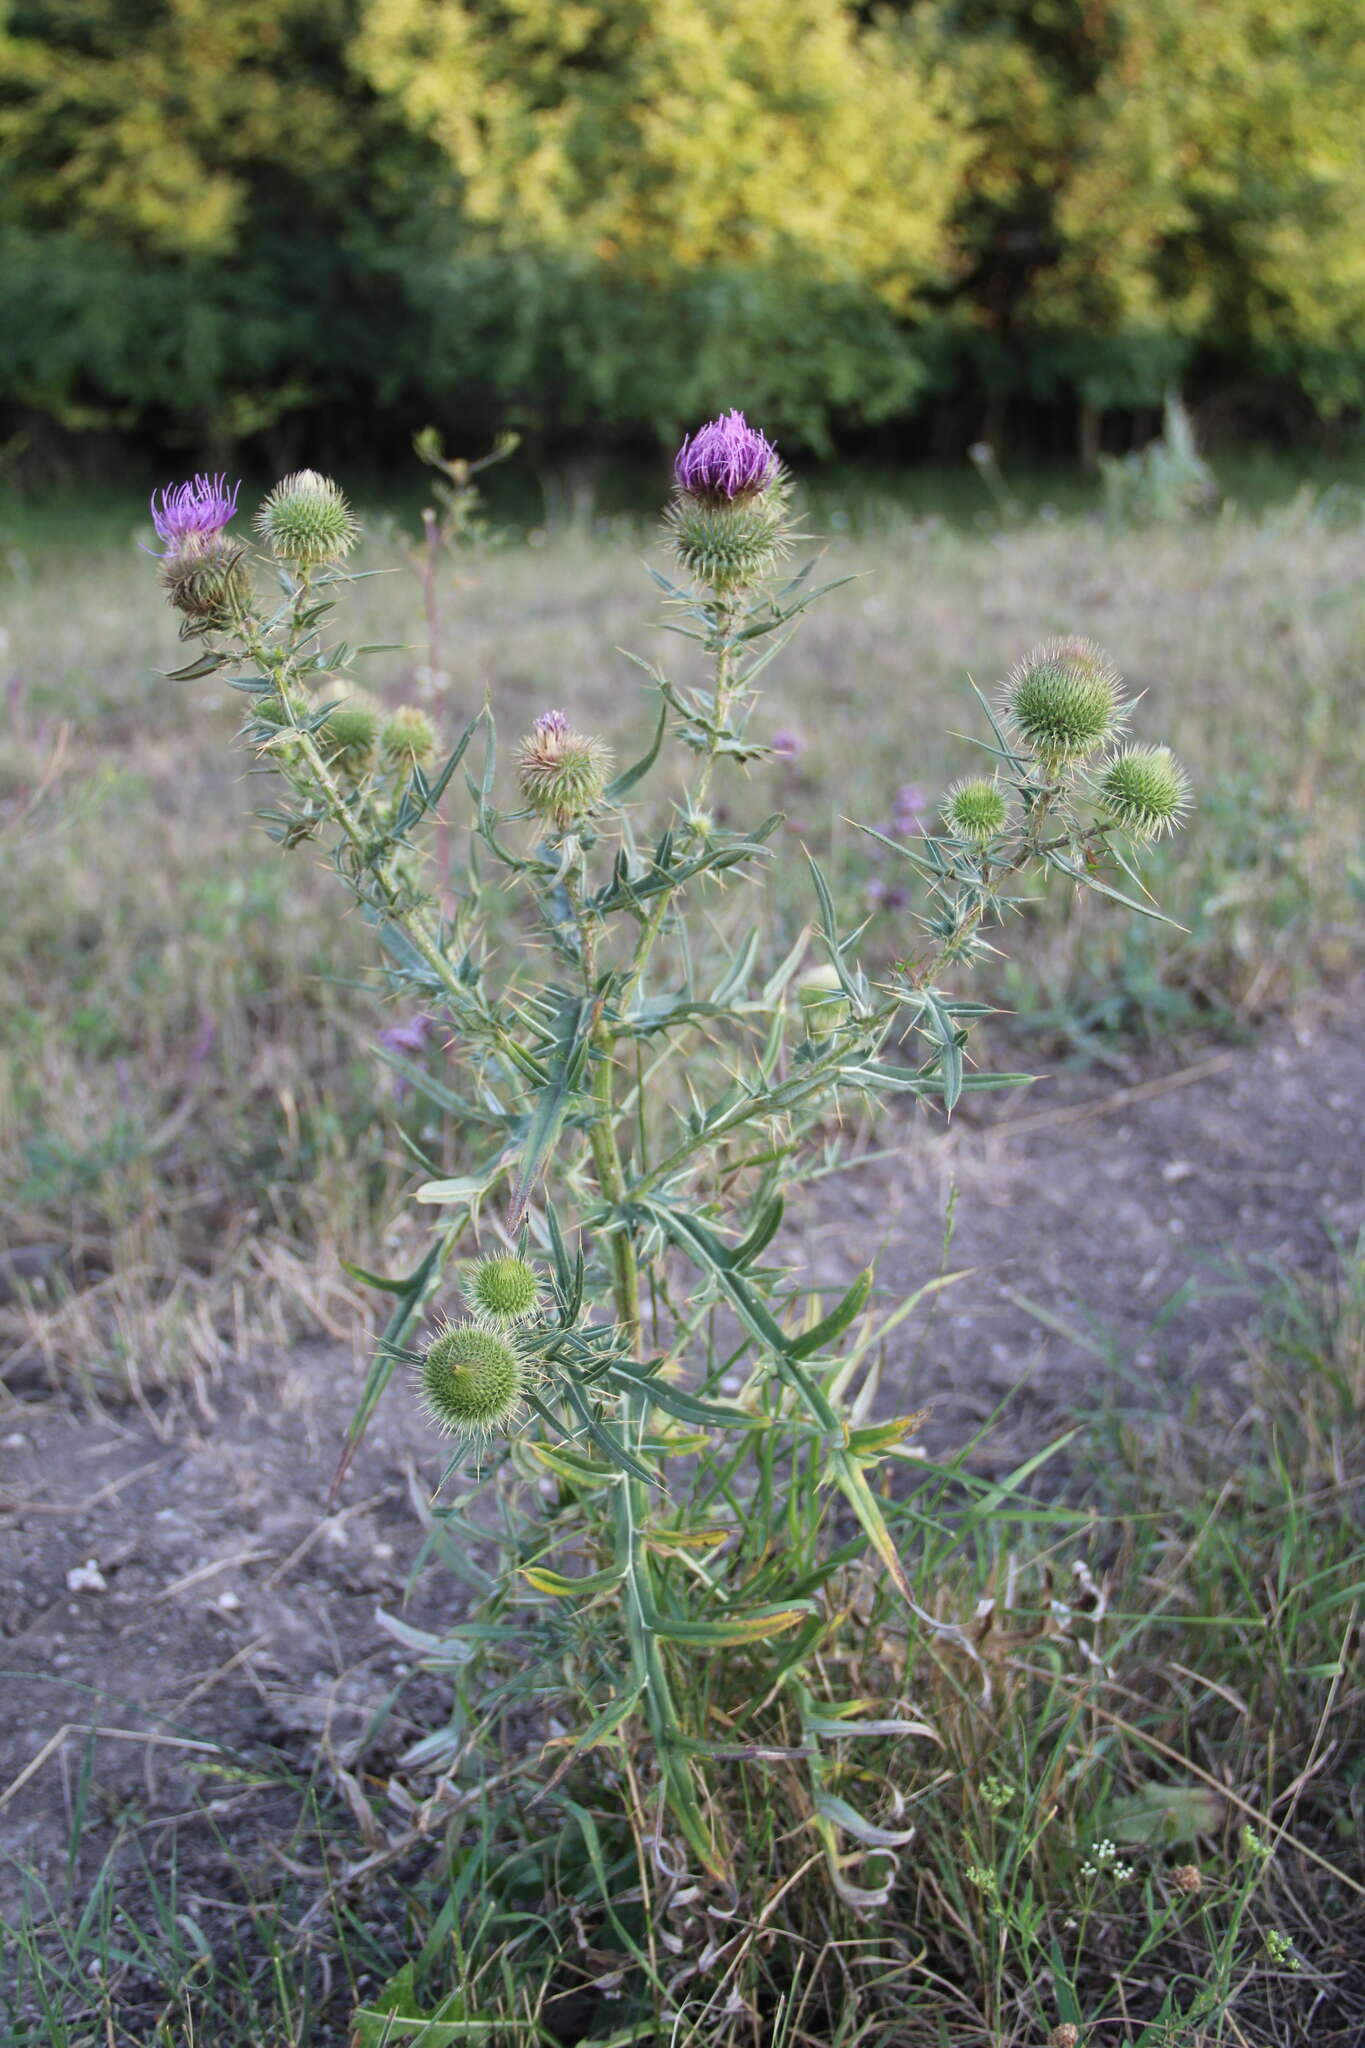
x=787 y=745
x=194 y=512
x=551 y=725
x=727 y=458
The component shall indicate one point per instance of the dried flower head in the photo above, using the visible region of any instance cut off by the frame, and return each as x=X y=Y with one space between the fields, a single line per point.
x=193 y=513
x=1065 y=2036
x=471 y=1380
x=1063 y=701
x=1144 y=791
x=408 y=738
x=1188 y=1878
x=725 y=460
x=502 y=1289
x=562 y=773
x=975 y=808
x=306 y=521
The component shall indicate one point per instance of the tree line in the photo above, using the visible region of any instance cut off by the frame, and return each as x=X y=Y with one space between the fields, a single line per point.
x=233 y=220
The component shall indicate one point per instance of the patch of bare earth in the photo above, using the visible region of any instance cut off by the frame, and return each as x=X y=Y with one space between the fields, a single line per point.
x=201 y=1602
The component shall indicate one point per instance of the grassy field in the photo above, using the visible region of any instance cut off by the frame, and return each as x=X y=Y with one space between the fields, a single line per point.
x=189 y=1115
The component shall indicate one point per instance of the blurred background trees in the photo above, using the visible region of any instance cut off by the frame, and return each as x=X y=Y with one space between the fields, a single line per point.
x=238 y=221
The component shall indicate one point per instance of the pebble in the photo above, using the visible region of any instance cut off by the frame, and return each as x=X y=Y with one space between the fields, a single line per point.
x=86 y=1578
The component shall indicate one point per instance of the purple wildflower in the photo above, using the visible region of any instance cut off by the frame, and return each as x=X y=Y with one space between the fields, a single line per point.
x=885 y=895
x=727 y=458
x=786 y=745
x=193 y=513
x=551 y=725
x=411 y=1038
x=912 y=807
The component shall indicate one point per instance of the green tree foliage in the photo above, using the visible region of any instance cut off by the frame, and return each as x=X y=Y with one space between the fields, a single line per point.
x=612 y=216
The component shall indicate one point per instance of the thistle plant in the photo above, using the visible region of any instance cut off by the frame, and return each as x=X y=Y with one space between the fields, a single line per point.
x=631 y=1364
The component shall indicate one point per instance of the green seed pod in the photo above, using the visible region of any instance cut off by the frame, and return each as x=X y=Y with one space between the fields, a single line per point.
x=1063 y=701
x=207 y=580
x=502 y=1289
x=729 y=546
x=408 y=739
x=562 y=773
x=306 y=521
x=1144 y=791
x=350 y=738
x=824 y=1004
x=975 y=808
x=471 y=1380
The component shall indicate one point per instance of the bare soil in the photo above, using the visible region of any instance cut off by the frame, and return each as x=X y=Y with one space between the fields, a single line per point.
x=186 y=1589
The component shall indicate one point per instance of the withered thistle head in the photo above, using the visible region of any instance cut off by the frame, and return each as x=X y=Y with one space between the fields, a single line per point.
x=562 y=773
x=206 y=579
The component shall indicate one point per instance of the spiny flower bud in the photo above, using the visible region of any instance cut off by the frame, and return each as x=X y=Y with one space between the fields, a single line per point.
x=289 y=706
x=350 y=738
x=1063 y=700
x=1144 y=791
x=824 y=1004
x=502 y=1289
x=471 y=1380
x=207 y=580
x=562 y=773
x=725 y=460
x=306 y=521
x=408 y=738
x=975 y=808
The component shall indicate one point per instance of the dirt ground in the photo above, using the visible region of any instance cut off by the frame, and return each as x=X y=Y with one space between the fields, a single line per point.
x=194 y=1598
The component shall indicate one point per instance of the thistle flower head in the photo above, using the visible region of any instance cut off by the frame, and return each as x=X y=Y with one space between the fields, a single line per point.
x=725 y=460
x=975 y=808
x=1144 y=791
x=288 y=706
x=1063 y=700
x=562 y=773
x=306 y=521
x=471 y=1380
x=350 y=737
x=502 y=1290
x=193 y=513
x=408 y=738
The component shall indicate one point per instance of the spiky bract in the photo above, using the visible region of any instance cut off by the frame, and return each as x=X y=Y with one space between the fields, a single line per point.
x=729 y=545
x=207 y=580
x=502 y=1289
x=408 y=738
x=471 y=1379
x=1144 y=791
x=307 y=522
x=562 y=773
x=975 y=808
x=350 y=737
x=1063 y=701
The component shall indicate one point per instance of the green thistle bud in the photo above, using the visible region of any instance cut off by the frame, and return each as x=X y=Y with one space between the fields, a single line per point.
x=306 y=521
x=289 y=706
x=562 y=773
x=350 y=738
x=1063 y=701
x=471 y=1380
x=824 y=1004
x=207 y=580
x=408 y=739
x=975 y=808
x=1144 y=791
x=729 y=545
x=502 y=1289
